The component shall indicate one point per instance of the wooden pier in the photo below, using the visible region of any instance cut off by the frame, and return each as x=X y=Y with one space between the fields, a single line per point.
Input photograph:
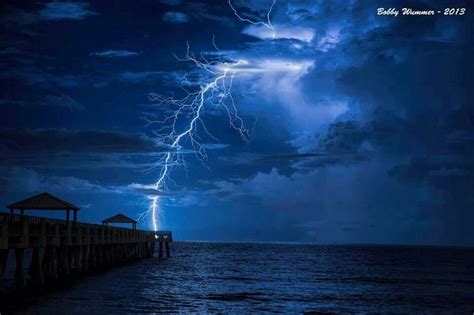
x=60 y=248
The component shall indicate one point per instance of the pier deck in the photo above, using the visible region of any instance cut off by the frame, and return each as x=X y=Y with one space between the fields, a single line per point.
x=60 y=247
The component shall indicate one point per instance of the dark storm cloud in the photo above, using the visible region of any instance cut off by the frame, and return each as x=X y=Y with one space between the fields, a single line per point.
x=313 y=160
x=294 y=156
x=142 y=76
x=11 y=102
x=52 y=11
x=242 y=158
x=114 y=53
x=172 y=2
x=25 y=180
x=416 y=102
x=65 y=11
x=32 y=180
x=432 y=169
x=341 y=159
x=62 y=101
x=11 y=51
x=174 y=17
x=343 y=137
x=18 y=141
x=59 y=150
x=393 y=72
x=410 y=82
x=172 y=78
x=215 y=146
x=35 y=77
x=202 y=11
x=344 y=142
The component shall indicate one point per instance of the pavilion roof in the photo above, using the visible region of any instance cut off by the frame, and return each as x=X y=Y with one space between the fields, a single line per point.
x=119 y=218
x=43 y=201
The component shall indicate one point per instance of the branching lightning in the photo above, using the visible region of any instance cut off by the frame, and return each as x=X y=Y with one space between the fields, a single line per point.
x=185 y=123
x=188 y=111
x=268 y=24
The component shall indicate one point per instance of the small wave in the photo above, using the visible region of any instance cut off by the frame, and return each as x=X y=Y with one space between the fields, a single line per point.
x=240 y=296
x=235 y=278
x=373 y=280
x=381 y=280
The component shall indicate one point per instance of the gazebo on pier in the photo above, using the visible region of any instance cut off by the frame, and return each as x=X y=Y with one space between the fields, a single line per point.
x=120 y=218
x=44 y=201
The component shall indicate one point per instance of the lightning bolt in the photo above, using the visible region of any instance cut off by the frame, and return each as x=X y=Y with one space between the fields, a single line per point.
x=188 y=111
x=215 y=91
x=268 y=24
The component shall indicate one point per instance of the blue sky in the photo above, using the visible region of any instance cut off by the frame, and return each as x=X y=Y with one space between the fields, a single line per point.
x=362 y=125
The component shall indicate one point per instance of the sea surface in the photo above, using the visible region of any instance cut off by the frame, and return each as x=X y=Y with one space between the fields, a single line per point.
x=287 y=278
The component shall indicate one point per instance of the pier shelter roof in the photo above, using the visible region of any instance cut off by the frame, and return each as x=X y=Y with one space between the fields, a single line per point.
x=120 y=218
x=44 y=201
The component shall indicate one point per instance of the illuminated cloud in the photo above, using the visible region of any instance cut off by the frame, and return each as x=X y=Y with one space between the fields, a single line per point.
x=215 y=146
x=141 y=77
x=280 y=31
x=262 y=66
x=280 y=82
x=172 y=2
x=114 y=53
x=65 y=11
x=62 y=100
x=175 y=17
x=330 y=39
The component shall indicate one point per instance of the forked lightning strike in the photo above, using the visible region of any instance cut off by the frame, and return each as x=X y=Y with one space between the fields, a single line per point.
x=215 y=93
x=267 y=24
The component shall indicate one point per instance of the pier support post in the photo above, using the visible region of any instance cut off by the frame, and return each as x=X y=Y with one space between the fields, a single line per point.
x=111 y=255
x=25 y=236
x=143 y=250
x=3 y=264
x=54 y=263
x=85 y=258
x=92 y=257
x=99 y=255
x=63 y=261
x=70 y=257
x=19 y=272
x=106 y=255
x=50 y=265
x=114 y=254
x=167 y=245
x=160 y=254
x=134 y=251
x=152 y=251
x=76 y=258
x=139 y=250
x=36 y=271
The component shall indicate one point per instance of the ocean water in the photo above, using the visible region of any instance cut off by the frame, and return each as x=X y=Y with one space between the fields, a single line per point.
x=288 y=278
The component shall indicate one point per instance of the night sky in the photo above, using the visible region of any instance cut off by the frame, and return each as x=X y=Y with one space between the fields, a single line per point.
x=362 y=125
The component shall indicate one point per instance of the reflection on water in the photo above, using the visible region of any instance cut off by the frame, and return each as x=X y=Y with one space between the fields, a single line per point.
x=236 y=278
